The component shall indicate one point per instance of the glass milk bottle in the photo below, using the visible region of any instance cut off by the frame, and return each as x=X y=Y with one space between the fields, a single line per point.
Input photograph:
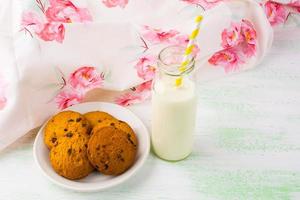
x=173 y=107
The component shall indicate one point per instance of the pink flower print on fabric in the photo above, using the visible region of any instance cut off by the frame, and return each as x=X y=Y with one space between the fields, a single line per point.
x=250 y=38
x=239 y=43
x=232 y=36
x=45 y=30
x=67 y=98
x=49 y=26
x=32 y=20
x=248 y=32
x=294 y=5
x=3 y=99
x=146 y=67
x=66 y=12
x=227 y=58
x=146 y=86
x=52 y=31
x=81 y=81
x=276 y=12
x=158 y=36
x=129 y=98
x=86 y=78
x=115 y=3
x=141 y=93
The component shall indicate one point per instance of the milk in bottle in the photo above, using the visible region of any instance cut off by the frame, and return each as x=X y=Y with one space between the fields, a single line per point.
x=173 y=107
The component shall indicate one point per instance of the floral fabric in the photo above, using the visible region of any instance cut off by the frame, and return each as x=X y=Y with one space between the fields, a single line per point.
x=56 y=52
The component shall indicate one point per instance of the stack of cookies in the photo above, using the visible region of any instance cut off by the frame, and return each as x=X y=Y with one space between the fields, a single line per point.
x=96 y=140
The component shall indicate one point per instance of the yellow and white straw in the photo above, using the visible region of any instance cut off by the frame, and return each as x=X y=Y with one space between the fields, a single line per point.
x=189 y=49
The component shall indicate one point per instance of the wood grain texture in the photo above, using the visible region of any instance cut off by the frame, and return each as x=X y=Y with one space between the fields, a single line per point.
x=247 y=145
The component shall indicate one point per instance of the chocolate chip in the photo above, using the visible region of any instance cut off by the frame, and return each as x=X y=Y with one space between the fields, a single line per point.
x=120 y=157
x=97 y=167
x=53 y=140
x=78 y=119
x=106 y=166
x=69 y=134
x=103 y=146
x=80 y=150
x=52 y=120
x=84 y=125
x=71 y=120
x=112 y=124
x=66 y=129
x=129 y=139
x=98 y=148
x=69 y=151
x=99 y=121
x=85 y=145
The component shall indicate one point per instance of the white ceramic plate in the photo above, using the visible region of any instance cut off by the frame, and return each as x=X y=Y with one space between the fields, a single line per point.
x=95 y=181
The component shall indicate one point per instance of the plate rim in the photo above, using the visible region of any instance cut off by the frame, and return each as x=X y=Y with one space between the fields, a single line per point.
x=129 y=174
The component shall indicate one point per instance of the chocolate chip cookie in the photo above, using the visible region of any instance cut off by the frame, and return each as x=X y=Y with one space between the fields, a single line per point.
x=69 y=158
x=119 y=125
x=96 y=117
x=65 y=124
x=111 y=150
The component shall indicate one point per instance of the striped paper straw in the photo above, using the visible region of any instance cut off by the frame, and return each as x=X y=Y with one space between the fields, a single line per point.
x=189 y=49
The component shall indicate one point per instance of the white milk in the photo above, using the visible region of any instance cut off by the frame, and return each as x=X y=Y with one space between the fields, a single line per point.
x=173 y=118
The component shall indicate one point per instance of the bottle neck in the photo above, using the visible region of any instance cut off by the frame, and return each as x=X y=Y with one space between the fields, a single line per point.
x=170 y=73
x=170 y=61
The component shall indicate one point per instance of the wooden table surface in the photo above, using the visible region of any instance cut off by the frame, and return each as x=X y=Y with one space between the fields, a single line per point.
x=247 y=145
